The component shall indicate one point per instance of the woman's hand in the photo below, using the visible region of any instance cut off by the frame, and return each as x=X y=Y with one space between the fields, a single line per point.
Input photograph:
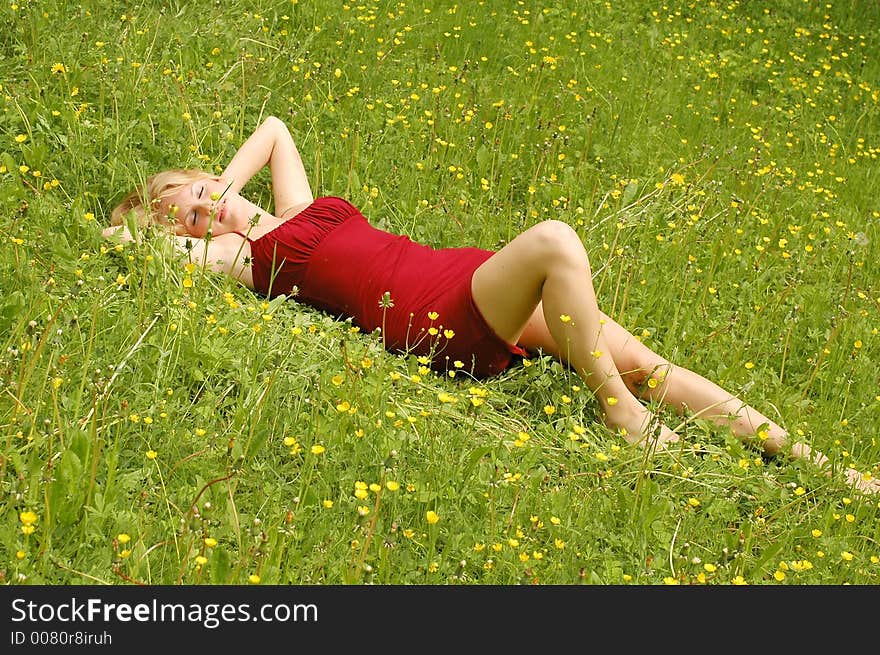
x=119 y=231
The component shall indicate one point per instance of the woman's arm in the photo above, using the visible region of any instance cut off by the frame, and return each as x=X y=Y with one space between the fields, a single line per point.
x=272 y=144
x=218 y=254
x=119 y=231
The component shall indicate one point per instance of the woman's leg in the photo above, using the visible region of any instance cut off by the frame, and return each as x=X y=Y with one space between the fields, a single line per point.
x=538 y=291
x=651 y=377
x=547 y=266
x=684 y=390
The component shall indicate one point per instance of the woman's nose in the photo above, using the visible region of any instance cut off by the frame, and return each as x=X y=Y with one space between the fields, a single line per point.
x=205 y=204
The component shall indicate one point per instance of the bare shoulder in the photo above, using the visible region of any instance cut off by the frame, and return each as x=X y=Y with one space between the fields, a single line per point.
x=231 y=254
x=226 y=253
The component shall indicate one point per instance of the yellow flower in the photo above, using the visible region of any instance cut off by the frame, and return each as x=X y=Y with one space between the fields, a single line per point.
x=433 y=316
x=317 y=449
x=327 y=504
x=28 y=518
x=210 y=542
x=152 y=454
x=431 y=516
x=612 y=401
x=253 y=578
x=201 y=560
x=677 y=178
x=392 y=485
x=21 y=138
x=58 y=68
x=549 y=409
x=123 y=538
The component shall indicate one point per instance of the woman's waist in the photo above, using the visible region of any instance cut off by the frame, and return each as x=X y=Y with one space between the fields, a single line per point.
x=354 y=268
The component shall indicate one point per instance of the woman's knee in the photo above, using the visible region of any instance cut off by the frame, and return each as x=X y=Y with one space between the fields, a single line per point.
x=555 y=238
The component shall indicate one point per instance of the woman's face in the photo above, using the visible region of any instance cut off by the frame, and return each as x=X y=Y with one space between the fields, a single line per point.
x=203 y=205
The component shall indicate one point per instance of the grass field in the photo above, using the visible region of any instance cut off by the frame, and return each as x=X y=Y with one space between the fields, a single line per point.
x=166 y=426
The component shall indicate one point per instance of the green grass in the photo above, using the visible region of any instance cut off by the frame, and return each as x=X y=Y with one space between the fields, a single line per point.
x=718 y=159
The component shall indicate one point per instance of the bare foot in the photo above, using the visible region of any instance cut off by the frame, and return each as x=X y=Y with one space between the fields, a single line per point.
x=871 y=485
x=638 y=425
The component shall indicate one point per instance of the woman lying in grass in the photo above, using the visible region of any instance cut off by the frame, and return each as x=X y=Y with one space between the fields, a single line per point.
x=467 y=308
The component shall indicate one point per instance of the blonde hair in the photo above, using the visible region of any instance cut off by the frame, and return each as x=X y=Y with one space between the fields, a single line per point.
x=144 y=200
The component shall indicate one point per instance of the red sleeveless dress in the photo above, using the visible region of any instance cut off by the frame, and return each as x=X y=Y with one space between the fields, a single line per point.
x=343 y=265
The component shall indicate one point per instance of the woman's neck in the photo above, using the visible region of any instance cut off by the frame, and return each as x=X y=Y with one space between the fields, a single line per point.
x=260 y=221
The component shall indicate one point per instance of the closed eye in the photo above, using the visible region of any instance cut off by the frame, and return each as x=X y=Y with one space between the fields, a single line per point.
x=199 y=193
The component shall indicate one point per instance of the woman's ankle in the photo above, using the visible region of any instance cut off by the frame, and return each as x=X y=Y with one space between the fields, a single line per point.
x=638 y=425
